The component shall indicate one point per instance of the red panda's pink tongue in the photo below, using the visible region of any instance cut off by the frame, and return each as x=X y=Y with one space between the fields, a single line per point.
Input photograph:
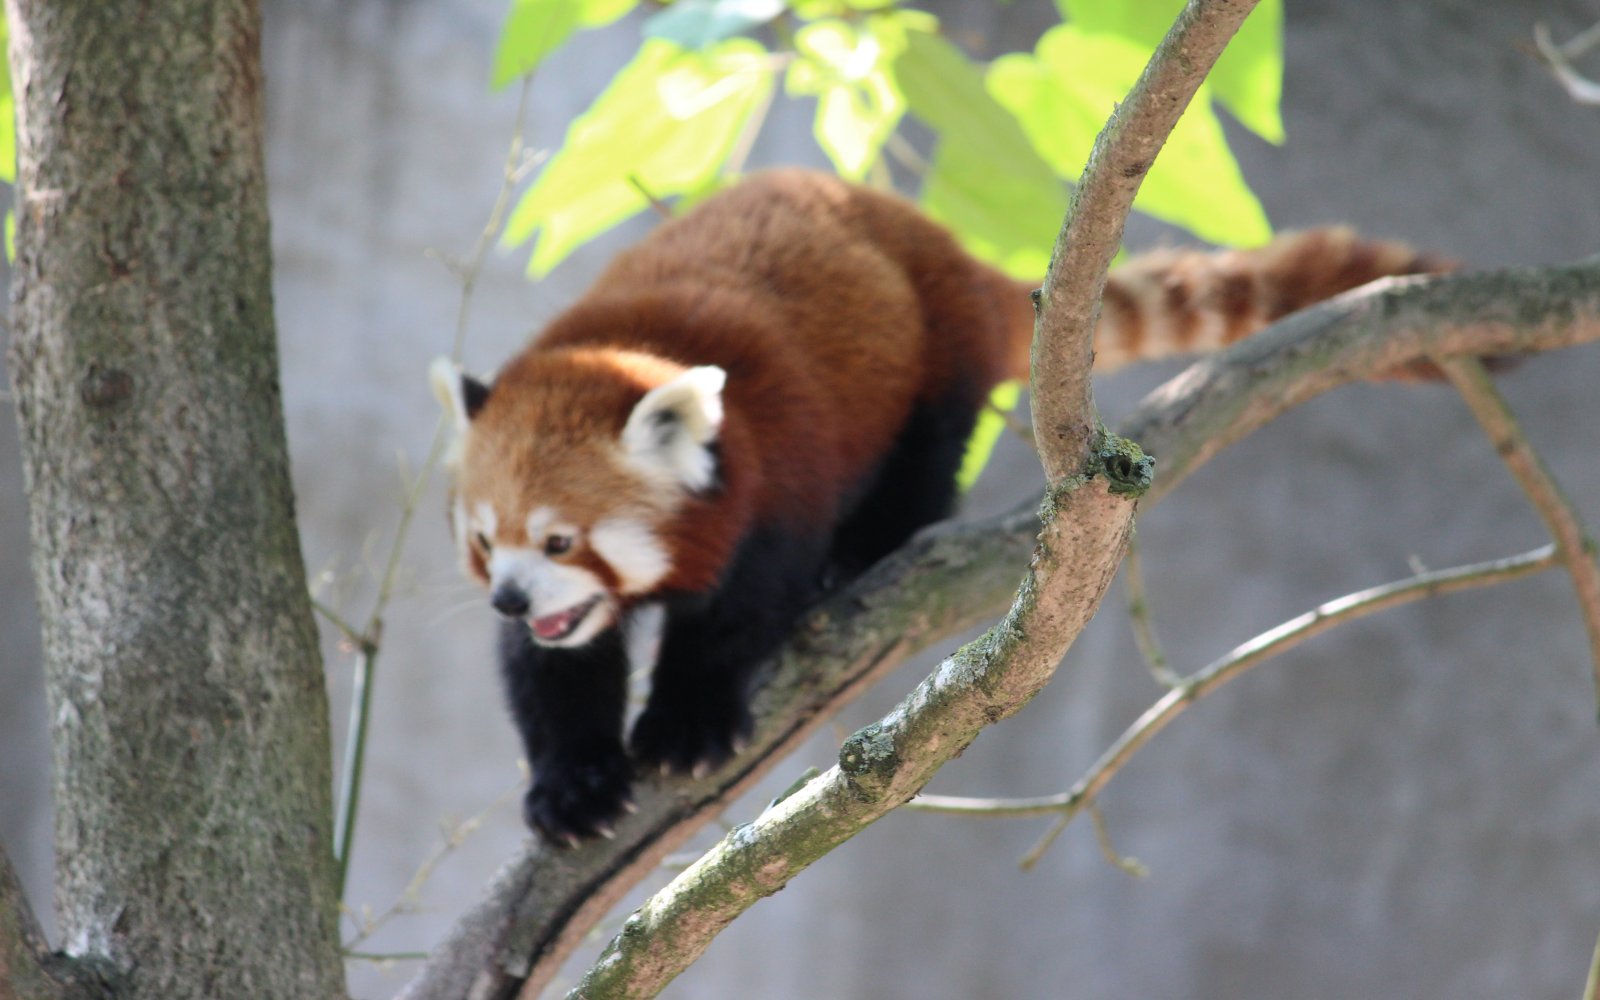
x=559 y=624
x=552 y=626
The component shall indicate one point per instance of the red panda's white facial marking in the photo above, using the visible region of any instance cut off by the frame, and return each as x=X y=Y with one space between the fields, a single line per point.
x=633 y=551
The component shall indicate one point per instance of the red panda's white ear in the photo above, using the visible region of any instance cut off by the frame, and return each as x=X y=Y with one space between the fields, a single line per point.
x=672 y=427
x=460 y=394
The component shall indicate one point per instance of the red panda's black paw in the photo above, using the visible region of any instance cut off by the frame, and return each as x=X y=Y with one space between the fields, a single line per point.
x=694 y=742
x=571 y=803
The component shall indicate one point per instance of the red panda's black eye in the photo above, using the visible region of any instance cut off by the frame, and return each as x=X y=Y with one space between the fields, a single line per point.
x=555 y=545
x=483 y=541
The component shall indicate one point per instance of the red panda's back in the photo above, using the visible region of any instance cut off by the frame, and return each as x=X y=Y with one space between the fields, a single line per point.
x=844 y=302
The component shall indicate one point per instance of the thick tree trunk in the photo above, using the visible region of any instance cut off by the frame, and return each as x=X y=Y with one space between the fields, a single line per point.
x=189 y=721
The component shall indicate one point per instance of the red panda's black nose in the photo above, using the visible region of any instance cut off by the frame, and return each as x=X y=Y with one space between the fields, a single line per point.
x=509 y=601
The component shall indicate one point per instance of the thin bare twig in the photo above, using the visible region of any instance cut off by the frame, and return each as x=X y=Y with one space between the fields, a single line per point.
x=1102 y=837
x=412 y=894
x=1267 y=645
x=1591 y=987
x=1144 y=630
x=1573 y=542
x=368 y=639
x=1279 y=640
x=1558 y=57
x=661 y=208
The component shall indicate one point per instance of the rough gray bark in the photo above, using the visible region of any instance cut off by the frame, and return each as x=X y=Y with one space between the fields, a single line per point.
x=189 y=721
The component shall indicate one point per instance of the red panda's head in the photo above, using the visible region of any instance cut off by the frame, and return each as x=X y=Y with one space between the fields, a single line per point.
x=569 y=471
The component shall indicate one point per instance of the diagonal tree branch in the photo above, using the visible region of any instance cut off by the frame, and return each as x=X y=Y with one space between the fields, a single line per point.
x=1360 y=335
x=1576 y=547
x=28 y=969
x=23 y=952
x=886 y=763
x=1087 y=518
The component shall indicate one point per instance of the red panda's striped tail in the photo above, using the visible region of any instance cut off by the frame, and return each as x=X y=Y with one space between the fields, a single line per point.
x=1187 y=301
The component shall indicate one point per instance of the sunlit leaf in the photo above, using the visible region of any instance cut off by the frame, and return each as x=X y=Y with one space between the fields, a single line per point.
x=986 y=434
x=811 y=10
x=694 y=24
x=665 y=125
x=1065 y=90
x=8 y=112
x=535 y=28
x=986 y=180
x=858 y=104
x=1248 y=78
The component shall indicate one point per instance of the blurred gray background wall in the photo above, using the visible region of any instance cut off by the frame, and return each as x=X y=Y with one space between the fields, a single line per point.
x=1409 y=807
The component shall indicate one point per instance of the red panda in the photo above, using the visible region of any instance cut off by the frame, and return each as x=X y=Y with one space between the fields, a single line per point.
x=761 y=399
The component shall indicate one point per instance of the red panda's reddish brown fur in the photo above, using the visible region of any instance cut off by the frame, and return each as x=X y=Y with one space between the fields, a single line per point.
x=763 y=396
x=828 y=342
x=860 y=307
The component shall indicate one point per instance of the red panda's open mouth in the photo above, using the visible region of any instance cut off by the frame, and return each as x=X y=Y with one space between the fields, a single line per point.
x=552 y=628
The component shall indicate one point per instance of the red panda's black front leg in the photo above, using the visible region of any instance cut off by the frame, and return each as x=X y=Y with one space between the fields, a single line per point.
x=698 y=714
x=568 y=706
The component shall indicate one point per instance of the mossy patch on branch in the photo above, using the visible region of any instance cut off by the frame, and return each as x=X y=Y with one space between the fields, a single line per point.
x=1128 y=471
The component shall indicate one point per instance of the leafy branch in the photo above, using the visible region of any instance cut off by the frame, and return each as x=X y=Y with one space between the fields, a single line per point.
x=1010 y=138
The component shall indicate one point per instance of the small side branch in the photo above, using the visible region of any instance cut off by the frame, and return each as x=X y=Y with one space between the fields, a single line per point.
x=1144 y=629
x=28 y=969
x=1082 y=795
x=1558 y=57
x=1591 y=987
x=368 y=640
x=1092 y=233
x=1573 y=543
x=1269 y=644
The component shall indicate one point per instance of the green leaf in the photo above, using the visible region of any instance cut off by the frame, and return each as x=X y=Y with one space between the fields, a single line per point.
x=811 y=10
x=986 y=433
x=986 y=181
x=1063 y=93
x=536 y=28
x=858 y=104
x=694 y=24
x=1248 y=78
x=666 y=124
x=8 y=112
